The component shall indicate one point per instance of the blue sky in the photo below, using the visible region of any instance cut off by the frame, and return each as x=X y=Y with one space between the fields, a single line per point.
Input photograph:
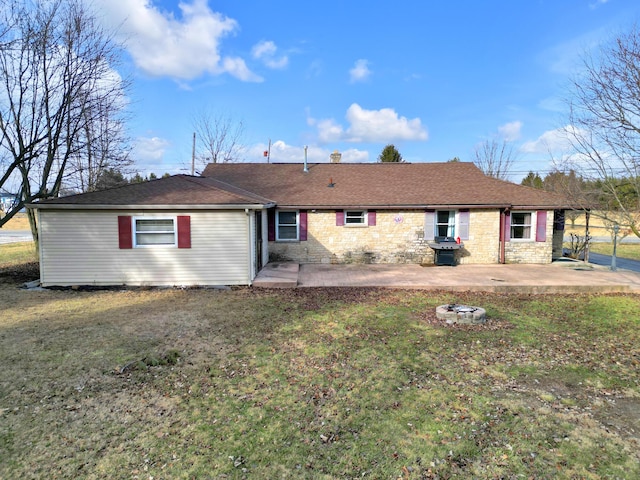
x=433 y=78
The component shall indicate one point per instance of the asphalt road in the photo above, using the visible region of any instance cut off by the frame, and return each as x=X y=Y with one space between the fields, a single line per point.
x=605 y=260
x=13 y=236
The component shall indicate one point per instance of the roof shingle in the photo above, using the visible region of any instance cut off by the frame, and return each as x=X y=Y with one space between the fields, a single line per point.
x=380 y=185
x=171 y=191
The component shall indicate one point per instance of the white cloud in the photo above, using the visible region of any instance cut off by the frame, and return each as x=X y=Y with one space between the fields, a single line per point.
x=182 y=48
x=382 y=125
x=360 y=71
x=552 y=104
x=510 y=131
x=597 y=3
x=149 y=149
x=354 y=155
x=329 y=131
x=266 y=52
x=281 y=152
x=550 y=141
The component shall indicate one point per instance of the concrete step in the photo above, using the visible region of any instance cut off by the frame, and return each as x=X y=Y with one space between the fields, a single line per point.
x=278 y=275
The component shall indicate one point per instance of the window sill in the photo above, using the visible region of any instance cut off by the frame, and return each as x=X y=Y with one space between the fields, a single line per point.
x=155 y=246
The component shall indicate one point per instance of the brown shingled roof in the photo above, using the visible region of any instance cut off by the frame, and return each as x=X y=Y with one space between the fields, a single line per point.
x=171 y=191
x=380 y=185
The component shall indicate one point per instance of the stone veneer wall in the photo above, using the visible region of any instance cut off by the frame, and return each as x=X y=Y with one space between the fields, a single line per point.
x=397 y=237
x=530 y=251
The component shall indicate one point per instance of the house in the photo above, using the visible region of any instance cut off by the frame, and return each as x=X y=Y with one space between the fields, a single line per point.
x=221 y=228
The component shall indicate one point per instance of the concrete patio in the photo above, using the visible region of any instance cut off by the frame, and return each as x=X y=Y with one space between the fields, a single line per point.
x=563 y=276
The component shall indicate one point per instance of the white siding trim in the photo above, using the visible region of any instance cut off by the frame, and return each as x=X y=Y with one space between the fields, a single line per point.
x=81 y=248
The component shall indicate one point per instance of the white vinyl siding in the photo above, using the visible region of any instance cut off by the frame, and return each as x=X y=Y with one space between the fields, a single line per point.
x=81 y=248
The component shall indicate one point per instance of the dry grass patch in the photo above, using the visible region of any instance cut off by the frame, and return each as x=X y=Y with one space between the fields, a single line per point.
x=315 y=383
x=18 y=222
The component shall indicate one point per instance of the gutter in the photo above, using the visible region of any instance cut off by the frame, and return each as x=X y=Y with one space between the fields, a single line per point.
x=72 y=206
x=391 y=207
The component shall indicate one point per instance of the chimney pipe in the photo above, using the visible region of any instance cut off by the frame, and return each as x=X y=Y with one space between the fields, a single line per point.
x=306 y=170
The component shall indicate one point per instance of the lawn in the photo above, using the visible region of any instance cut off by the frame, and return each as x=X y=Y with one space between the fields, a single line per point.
x=18 y=222
x=623 y=250
x=315 y=383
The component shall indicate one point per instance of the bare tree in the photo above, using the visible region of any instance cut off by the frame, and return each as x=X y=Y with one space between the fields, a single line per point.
x=604 y=128
x=495 y=158
x=106 y=146
x=55 y=72
x=218 y=137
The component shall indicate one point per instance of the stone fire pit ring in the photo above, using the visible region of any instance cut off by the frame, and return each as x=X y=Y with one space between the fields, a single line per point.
x=464 y=314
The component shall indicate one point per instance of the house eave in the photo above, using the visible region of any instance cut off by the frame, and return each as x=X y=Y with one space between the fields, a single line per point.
x=424 y=207
x=71 y=206
x=392 y=207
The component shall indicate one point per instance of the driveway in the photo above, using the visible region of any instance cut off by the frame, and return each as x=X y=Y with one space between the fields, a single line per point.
x=15 y=236
x=605 y=260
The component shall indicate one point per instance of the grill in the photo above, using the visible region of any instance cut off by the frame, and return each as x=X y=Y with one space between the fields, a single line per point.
x=445 y=250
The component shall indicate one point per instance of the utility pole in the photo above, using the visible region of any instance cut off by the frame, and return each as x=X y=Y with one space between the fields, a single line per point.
x=193 y=156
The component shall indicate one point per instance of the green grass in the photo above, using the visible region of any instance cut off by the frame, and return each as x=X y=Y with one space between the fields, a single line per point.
x=12 y=254
x=623 y=250
x=316 y=383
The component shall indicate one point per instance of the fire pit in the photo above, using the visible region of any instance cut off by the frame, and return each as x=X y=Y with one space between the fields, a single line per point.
x=454 y=313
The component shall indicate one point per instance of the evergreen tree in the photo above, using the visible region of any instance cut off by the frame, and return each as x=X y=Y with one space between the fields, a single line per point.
x=533 y=180
x=390 y=154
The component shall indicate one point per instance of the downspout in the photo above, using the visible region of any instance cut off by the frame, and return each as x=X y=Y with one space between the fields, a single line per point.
x=252 y=254
x=502 y=235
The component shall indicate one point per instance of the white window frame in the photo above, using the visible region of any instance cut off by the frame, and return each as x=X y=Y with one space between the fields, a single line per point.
x=531 y=225
x=452 y=223
x=135 y=232
x=363 y=215
x=278 y=239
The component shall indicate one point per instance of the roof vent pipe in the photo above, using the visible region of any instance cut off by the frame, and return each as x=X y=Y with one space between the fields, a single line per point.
x=306 y=170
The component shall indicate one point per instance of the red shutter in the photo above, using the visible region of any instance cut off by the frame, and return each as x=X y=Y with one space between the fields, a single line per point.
x=184 y=232
x=303 y=225
x=271 y=225
x=339 y=218
x=507 y=226
x=541 y=226
x=125 y=237
x=372 y=218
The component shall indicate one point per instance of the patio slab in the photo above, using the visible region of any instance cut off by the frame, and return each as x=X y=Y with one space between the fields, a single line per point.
x=558 y=277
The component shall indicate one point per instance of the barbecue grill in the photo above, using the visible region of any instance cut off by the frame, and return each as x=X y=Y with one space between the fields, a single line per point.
x=445 y=250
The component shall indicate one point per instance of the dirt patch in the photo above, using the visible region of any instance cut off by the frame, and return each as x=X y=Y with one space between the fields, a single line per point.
x=18 y=274
x=622 y=415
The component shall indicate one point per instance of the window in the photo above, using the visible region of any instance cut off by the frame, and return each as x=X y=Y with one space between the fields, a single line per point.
x=445 y=223
x=287 y=225
x=149 y=232
x=355 y=217
x=521 y=225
